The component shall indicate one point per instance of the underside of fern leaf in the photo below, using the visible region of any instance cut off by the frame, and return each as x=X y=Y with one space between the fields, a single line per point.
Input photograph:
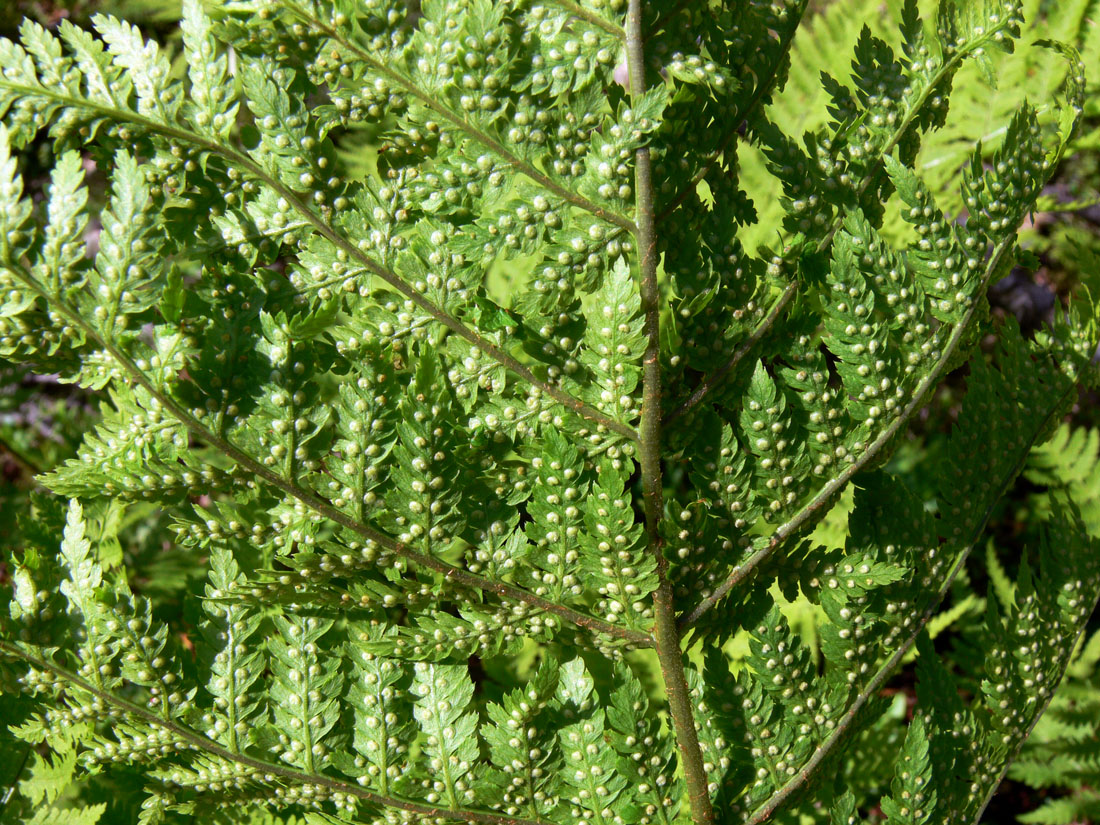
x=402 y=476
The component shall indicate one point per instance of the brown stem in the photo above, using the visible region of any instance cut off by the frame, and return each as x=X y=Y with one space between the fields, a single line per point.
x=665 y=632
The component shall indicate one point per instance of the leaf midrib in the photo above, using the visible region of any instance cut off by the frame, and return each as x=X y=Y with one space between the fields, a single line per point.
x=389 y=276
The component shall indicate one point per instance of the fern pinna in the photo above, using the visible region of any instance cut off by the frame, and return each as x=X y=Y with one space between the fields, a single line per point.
x=402 y=476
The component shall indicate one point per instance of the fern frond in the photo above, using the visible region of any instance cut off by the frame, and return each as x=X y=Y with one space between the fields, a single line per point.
x=1069 y=463
x=466 y=549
